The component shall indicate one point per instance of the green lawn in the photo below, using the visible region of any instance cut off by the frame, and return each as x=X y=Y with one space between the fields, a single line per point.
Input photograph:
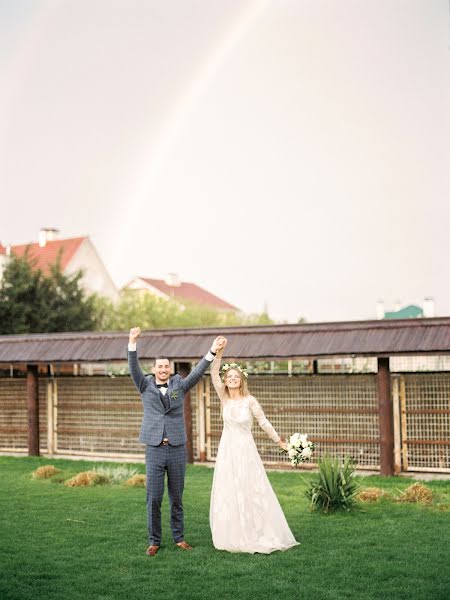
x=80 y=543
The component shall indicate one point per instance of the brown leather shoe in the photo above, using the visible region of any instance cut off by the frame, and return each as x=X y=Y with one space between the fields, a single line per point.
x=152 y=550
x=184 y=546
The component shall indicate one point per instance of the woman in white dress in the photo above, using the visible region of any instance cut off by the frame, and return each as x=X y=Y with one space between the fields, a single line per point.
x=245 y=515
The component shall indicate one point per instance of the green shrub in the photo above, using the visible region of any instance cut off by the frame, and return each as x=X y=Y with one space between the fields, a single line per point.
x=334 y=487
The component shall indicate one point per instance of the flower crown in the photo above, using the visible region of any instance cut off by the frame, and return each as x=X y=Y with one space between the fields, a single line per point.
x=227 y=366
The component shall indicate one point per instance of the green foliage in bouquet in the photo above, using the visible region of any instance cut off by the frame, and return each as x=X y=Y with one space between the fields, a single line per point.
x=334 y=487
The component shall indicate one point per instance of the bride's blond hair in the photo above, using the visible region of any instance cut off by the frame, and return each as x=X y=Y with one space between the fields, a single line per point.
x=243 y=388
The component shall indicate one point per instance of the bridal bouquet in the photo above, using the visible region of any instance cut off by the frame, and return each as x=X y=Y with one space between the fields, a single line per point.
x=299 y=448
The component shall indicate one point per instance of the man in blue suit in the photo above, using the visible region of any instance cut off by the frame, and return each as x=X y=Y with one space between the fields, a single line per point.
x=164 y=434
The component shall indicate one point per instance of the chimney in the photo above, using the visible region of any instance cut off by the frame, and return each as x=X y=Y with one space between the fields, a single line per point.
x=380 y=309
x=47 y=234
x=173 y=280
x=428 y=307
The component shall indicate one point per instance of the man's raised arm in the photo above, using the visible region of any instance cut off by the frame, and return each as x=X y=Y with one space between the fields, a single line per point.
x=136 y=373
x=197 y=373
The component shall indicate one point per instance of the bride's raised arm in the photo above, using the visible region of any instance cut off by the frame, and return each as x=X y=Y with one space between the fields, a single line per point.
x=215 y=375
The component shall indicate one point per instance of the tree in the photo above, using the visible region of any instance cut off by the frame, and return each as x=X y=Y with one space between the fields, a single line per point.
x=34 y=302
x=151 y=312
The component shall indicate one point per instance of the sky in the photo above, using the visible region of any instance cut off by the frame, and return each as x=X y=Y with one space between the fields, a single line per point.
x=291 y=155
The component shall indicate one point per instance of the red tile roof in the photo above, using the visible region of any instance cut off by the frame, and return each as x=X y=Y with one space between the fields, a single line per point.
x=48 y=254
x=2 y=249
x=190 y=292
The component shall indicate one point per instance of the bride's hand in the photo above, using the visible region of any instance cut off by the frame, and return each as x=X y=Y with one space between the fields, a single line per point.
x=219 y=343
x=283 y=445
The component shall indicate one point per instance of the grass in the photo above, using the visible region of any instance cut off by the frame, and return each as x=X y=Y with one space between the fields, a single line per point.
x=81 y=543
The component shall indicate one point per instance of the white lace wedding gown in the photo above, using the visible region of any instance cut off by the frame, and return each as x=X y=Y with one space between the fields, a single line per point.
x=245 y=515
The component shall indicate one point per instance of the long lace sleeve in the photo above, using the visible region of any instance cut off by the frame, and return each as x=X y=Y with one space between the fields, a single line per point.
x=215 y=375
x=259 y=415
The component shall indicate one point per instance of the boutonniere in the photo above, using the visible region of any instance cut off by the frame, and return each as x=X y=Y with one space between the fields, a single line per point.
x=174 y=395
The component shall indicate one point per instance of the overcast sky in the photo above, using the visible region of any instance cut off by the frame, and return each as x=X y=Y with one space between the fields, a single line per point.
x=293 y=153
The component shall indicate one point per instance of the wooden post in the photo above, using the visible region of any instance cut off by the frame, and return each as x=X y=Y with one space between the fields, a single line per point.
x=52 y=414
x=33 y=410
x=397 y=426
x=207 y=396
x=385 y=417
x=50 y=421
x=55 y=415
x=201 y=420
x=404 y=423
x=184 y=369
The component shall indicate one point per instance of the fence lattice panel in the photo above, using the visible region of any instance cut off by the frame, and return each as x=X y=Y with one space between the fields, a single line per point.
x=338 y=412
x=98 y=415
x=14 y=417
x=427 y=436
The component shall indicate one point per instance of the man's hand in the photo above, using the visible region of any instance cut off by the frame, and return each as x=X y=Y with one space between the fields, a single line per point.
x=219 y=343
x=135 y=332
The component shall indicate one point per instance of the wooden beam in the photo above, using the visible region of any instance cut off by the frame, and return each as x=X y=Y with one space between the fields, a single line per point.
x=385 y=412
x=184 y=369
x=337 y=440
x=33 y=410
x=319 y=410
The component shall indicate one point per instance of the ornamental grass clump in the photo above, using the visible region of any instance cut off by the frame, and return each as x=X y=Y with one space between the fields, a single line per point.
x=334 y=487
x=416 y=493
x=45 y=472
x=87 y=478
x=117 y=474
x=136 y=481
x=371 y=494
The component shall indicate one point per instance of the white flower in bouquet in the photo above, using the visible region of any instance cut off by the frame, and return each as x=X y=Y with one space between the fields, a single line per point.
x=306 y=452
x=299 y=448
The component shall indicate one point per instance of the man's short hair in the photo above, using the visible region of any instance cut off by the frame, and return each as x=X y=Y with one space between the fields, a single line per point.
x=160 y=358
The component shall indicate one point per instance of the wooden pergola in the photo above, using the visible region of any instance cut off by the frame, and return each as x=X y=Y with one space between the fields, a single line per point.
x=378 y=339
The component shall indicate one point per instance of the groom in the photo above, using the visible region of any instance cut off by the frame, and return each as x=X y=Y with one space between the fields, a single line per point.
x=164 y=434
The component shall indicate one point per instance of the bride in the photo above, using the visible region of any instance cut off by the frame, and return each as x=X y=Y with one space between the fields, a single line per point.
x=245 y=515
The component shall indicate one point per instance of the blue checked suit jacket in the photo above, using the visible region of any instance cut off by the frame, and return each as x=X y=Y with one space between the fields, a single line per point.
x=156 y=418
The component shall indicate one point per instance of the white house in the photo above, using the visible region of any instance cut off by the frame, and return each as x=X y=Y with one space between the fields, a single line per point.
x=75 y=254
x=181 y=291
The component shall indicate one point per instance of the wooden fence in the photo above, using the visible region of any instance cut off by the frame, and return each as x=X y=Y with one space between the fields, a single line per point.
x=101 y=416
